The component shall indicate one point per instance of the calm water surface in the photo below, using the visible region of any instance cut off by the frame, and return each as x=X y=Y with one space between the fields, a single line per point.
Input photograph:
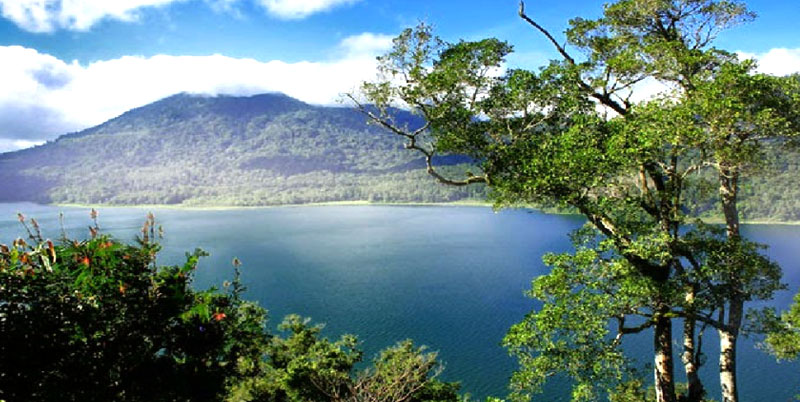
x=451 y=278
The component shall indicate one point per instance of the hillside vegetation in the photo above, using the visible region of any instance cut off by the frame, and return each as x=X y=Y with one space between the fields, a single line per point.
x=271 y=149
x=240 y=151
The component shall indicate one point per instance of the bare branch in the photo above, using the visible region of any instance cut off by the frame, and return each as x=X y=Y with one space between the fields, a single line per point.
x=412 y=144
x=623 y=330
x=604 y=98
x=546 y=33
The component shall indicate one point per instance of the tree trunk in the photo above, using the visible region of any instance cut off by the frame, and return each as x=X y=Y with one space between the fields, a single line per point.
x=664 y=366
x=695 y=389
x=727 y=352
x=728 y=336
x=728 y=191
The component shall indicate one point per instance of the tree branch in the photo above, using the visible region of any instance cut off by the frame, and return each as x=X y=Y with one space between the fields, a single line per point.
x=604 y=98
x=544 y=32
x=412 y=144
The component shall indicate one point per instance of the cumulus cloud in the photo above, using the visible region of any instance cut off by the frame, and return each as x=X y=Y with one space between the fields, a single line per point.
x=50 y=15
x=778 y=61
x=80 y=15
x=297 y=9
x=366 y=45
x=44 y=97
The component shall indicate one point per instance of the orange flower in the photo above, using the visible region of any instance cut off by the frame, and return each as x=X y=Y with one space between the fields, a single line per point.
x=219 y=316
x=122 y=289
x=52 y=250
x=85 y=261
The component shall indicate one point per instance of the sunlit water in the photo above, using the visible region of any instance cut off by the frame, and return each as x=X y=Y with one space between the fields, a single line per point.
x=451 y=278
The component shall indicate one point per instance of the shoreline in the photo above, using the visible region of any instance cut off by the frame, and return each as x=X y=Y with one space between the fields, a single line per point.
x=246 y=207
x=464 y=203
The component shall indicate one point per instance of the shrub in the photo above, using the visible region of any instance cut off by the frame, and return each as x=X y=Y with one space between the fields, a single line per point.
x=99 y=320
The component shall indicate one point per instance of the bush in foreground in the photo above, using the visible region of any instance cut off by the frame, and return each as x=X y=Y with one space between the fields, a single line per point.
x=99 y=320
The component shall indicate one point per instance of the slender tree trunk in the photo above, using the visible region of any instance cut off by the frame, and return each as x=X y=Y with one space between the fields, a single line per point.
x=727 y=354
x=695 y=389
x=728 y=336
x=664 y=366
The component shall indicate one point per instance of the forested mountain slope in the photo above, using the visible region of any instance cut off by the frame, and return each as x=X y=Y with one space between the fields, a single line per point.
x=195 y=150
x=272 y=149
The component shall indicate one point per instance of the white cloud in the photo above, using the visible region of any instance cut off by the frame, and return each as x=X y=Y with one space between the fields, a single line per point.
x=297 y=9
x=50 y=15
x=43 y=96
x=778 y=61
x=366 y=45
x=80 y=15
x=7 y=145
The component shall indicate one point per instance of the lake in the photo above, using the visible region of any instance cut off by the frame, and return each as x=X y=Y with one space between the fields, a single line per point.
x=451 y=278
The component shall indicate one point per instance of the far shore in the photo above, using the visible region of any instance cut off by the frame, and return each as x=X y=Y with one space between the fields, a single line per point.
x=462 y=203
x=465 y=203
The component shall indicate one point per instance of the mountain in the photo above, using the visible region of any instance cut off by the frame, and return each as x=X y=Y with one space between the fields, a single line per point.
x=198 y=150
x=272 y=149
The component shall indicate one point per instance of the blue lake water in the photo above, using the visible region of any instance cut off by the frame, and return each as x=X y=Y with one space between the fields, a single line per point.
x=451 y=278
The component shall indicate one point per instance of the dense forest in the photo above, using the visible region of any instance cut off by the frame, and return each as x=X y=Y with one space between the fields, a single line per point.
x=269 y=150
x=244 y=151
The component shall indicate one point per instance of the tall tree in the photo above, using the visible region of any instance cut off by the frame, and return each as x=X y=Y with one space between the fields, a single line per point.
x=543 y=138
x=742 y=115
x=576 y=133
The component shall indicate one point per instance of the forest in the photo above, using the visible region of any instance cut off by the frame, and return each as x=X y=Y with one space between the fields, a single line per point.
x=226 y=151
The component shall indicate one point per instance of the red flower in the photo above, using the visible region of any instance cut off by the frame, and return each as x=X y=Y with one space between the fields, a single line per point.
x=52 y=250
x=219 y=316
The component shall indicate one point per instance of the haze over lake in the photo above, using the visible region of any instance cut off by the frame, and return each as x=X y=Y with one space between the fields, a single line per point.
x=451 y=278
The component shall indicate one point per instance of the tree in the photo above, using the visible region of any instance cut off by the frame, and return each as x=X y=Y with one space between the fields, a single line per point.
x=742 y=115
x=575 y=134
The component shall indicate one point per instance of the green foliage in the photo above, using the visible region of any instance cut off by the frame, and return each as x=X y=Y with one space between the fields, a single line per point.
x=571 y=333
x=783 y=332
x=99 y=320
x=641 y=170
x=305 y=367
x=238 y=151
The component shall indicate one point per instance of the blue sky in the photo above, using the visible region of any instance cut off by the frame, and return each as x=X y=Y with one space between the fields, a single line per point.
x=69 y=64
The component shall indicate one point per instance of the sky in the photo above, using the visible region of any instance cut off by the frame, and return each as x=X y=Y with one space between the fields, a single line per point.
x=66 y=65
